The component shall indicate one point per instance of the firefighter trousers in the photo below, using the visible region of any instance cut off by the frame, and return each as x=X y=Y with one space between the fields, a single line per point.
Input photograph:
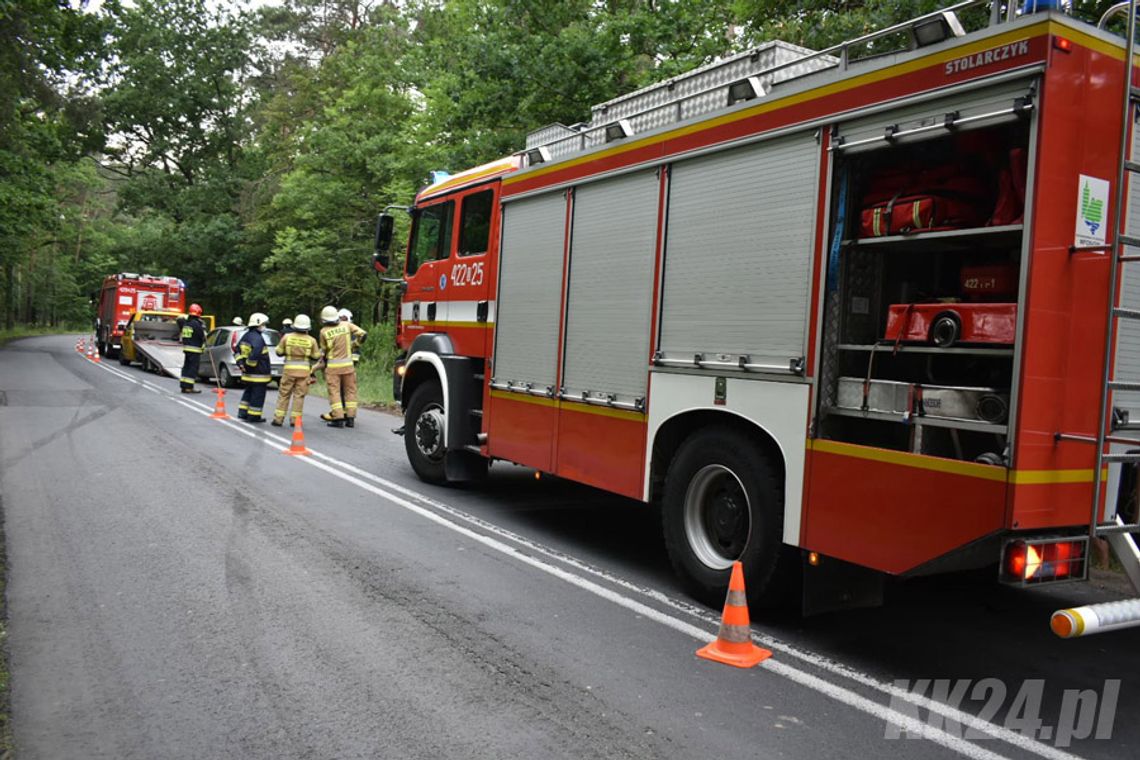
x=252 y=401
x=190 y=362
x=291 y=388
x=342 y=395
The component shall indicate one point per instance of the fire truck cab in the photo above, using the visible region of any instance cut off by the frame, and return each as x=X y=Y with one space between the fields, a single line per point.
x=841 y=317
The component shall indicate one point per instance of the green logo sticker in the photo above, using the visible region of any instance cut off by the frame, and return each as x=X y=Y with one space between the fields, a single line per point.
x=1092 y=209
x=1092 y=212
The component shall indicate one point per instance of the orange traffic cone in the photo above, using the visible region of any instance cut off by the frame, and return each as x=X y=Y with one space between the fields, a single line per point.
x=95 y=355
x=733 y=645
x=297 y=447
x=79 y=345
x=220 y=406
x=90 y=351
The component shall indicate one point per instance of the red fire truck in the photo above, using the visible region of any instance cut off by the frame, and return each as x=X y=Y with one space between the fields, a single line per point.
x=843 y=315
x=125 y=293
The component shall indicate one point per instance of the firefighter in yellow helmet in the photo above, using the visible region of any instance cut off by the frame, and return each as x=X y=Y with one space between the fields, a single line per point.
x=337 y=339
x=300 y=351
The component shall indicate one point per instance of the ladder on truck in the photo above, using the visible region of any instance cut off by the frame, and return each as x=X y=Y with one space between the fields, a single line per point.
x=1121 y=534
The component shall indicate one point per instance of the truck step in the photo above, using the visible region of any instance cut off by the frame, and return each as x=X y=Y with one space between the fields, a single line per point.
x=1110 y=529
x=1125 y=547
x=1116 y=458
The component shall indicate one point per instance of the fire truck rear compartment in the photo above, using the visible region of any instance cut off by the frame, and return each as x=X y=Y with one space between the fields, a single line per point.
x=920 y=313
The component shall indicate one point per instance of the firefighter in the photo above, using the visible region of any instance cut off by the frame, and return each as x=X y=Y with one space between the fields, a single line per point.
x=286 y=326
x=238 y=322
x=253 y=359
x=336 y=341
x=346 y=316
x=193 y=337
x=300 y=351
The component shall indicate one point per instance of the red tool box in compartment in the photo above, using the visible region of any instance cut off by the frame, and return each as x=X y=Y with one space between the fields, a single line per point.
x=945 y=324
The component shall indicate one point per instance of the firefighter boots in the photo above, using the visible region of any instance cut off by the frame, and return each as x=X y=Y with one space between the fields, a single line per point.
x=350 y=422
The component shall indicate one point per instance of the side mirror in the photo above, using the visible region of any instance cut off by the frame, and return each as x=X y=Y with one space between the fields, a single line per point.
x=380 y=259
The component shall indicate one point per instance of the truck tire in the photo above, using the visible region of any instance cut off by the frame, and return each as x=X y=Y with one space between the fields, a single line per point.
x=124 y=360
x=723 y=501
x=423 y=432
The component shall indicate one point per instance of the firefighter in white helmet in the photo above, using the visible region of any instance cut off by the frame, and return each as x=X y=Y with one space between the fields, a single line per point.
x=300 y=351
x=336 y=341
x=253 y=359
x=346 y=316
x=238 y=322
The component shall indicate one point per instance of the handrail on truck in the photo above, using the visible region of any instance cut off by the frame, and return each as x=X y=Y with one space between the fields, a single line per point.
x=836 y=56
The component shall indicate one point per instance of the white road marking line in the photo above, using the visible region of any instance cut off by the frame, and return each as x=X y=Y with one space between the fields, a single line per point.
x=834 y=691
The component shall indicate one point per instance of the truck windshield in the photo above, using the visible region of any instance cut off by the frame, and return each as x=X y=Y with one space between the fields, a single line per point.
x=431 y=235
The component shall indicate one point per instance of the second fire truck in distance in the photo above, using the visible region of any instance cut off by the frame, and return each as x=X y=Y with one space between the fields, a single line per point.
x=123 y=294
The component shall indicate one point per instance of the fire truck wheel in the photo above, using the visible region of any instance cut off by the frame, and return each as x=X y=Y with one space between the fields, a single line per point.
x=723 y=501
x=423 y=432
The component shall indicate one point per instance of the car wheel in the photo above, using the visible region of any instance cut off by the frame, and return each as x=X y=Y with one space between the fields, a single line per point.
x=723 y=502
x=423 y=432
x=224 y=378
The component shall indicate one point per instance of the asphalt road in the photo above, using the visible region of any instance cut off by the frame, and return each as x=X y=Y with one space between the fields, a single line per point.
x=179 y=588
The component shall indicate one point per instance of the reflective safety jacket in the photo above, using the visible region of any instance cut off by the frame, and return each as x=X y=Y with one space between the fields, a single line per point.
x=356 y=341
x=300 y=351
x=337 y=341
x=253 y=357
x=193 y=335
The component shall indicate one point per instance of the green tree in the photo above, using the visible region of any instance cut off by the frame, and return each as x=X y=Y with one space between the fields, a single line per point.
x=46 y=52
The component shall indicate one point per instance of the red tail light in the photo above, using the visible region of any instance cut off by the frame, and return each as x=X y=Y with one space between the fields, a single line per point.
x=1033 y=561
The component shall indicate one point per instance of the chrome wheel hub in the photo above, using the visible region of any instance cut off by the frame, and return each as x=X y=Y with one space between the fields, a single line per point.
x=429 y=432
x=718 y=518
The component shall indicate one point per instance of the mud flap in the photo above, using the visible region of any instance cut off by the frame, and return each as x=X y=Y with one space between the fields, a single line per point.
x=461 y=399
x=464 y=466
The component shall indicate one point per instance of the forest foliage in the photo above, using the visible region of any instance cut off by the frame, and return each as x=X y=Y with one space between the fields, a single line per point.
x=247 y=147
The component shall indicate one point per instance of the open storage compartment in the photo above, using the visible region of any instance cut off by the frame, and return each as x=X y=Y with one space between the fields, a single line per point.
x=923 y=290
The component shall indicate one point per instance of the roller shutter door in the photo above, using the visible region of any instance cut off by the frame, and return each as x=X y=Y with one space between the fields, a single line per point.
x=611 y=287
x=738 y=253
x=530 y=291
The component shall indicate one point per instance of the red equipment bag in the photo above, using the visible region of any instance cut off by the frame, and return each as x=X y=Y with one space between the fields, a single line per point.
x=1010 y=206
x=908 y=199
x=920 y=213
